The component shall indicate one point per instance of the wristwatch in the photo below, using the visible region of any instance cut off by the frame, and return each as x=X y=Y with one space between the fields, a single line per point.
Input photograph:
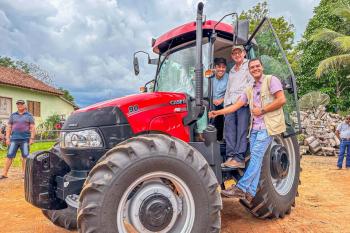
x=263 y=111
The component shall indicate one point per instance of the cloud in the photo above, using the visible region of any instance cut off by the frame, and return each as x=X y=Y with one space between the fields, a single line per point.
x=88 y=45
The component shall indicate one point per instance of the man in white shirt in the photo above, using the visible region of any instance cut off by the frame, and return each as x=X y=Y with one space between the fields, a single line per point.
x=343 y=133
x=236 y=124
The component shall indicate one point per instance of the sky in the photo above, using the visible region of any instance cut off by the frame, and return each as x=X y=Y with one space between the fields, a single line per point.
x=87 y=45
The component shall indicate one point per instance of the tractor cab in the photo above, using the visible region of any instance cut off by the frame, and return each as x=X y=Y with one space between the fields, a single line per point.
x=176 y=61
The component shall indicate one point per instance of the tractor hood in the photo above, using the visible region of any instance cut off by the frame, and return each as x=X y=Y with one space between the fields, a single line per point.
x=126 y=110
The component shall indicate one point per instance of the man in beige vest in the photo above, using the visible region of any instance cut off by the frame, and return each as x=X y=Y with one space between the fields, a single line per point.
x=266 y=99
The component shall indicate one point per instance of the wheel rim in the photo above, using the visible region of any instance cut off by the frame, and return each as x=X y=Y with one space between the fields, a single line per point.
x=283 y=178
x=156 y=202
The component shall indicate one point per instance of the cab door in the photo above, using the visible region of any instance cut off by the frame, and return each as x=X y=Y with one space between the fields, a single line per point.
x=264 y=44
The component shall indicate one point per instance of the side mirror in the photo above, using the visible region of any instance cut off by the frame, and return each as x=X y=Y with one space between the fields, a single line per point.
x=209 y=73
x=242 y=32
x=143 y=89
x=136 y=66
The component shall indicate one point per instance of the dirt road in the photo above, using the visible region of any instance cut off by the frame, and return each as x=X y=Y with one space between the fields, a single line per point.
x=323 y=205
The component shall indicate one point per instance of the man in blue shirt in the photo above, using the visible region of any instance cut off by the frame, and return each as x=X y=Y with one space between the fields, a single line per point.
x=20 y=134
x=219 y=89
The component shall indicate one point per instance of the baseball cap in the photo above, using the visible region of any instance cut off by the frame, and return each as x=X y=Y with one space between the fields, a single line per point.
x=20 y=102
x=220 y=60
x=238 y=47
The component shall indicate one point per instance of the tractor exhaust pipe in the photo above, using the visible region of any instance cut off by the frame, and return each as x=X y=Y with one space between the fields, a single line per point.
x=199 y=64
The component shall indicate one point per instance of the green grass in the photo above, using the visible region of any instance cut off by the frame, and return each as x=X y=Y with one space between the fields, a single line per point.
x=34 y=147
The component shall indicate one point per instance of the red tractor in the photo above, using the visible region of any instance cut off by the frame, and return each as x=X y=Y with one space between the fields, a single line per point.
x=136 y=163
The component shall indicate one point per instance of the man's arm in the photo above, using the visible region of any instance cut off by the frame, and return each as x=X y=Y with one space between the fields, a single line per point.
x=218 y=101
x=277 y=103
x=232 y=108
x=8 y=133
x=32 y=133
x=337 y=133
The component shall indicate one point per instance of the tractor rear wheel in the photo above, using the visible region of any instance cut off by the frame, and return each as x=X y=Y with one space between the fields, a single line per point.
x=279 y=180
x=150 y=183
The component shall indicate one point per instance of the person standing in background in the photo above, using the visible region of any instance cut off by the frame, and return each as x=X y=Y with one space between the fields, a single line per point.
x=20 y=133
x=343 y=133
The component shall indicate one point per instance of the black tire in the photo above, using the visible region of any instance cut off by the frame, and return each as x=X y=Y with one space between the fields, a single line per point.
x=268 y=202
x=138 y=157
x=66 y=218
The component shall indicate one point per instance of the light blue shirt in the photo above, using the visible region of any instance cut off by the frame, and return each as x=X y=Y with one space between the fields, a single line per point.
x=344 y=130
x=219 y=87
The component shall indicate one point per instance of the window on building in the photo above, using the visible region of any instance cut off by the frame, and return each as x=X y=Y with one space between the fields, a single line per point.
x=5 y=107
x=34 y=108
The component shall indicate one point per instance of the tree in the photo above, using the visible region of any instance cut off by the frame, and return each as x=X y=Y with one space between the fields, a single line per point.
x=67 y=95
x=341 y=58
x=7 y=62
x=313 y=51
x=284 y=30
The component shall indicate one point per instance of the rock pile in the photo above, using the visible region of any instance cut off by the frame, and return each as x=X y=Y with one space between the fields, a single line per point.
x=318 y=132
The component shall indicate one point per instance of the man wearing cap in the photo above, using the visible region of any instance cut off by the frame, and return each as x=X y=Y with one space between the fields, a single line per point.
x=20 y=134
x=343 y=133
x=219 y=89
x=236 y=123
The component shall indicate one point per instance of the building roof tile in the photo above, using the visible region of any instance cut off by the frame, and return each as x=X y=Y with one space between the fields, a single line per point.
x=15 y=77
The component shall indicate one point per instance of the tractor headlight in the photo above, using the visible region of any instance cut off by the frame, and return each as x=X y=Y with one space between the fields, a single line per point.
x=80 y=139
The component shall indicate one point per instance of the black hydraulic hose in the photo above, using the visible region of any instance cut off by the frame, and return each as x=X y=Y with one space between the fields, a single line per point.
x=199 y=65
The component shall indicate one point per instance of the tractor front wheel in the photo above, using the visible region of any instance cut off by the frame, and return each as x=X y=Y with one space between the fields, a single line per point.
x=66 y=218
x=150 y=183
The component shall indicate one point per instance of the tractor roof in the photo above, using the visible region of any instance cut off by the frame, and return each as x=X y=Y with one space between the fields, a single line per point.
x=187 y=32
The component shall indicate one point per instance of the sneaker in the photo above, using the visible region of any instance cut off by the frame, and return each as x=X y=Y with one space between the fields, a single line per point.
x=234 y=164
x=234 y=192
x=339 y=168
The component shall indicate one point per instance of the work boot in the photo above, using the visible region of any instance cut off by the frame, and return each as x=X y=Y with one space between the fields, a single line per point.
x=232 y=163
x=249 y=198
x=233 y=191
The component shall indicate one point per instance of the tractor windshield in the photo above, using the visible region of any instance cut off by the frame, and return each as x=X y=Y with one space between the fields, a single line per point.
x=177 y=71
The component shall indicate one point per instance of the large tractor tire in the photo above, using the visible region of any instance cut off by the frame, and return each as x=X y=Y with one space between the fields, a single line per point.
x=150 y=183
x=279 y=180
x=66 y=218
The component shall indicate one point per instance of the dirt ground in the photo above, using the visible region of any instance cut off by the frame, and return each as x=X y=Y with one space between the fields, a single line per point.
x=323 y=205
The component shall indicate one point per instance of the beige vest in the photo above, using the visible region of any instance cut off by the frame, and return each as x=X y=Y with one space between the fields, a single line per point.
x=274 y=121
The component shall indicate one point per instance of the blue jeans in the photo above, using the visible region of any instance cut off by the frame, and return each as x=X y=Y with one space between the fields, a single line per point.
x=23 y=145
x=259 y=142
x=344 y=145
x=236 y=131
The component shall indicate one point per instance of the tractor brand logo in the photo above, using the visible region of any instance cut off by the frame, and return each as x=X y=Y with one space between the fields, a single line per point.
x=177 y=102
x=133 y=108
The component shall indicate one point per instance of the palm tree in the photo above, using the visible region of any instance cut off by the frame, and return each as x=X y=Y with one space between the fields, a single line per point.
x=341 y=41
